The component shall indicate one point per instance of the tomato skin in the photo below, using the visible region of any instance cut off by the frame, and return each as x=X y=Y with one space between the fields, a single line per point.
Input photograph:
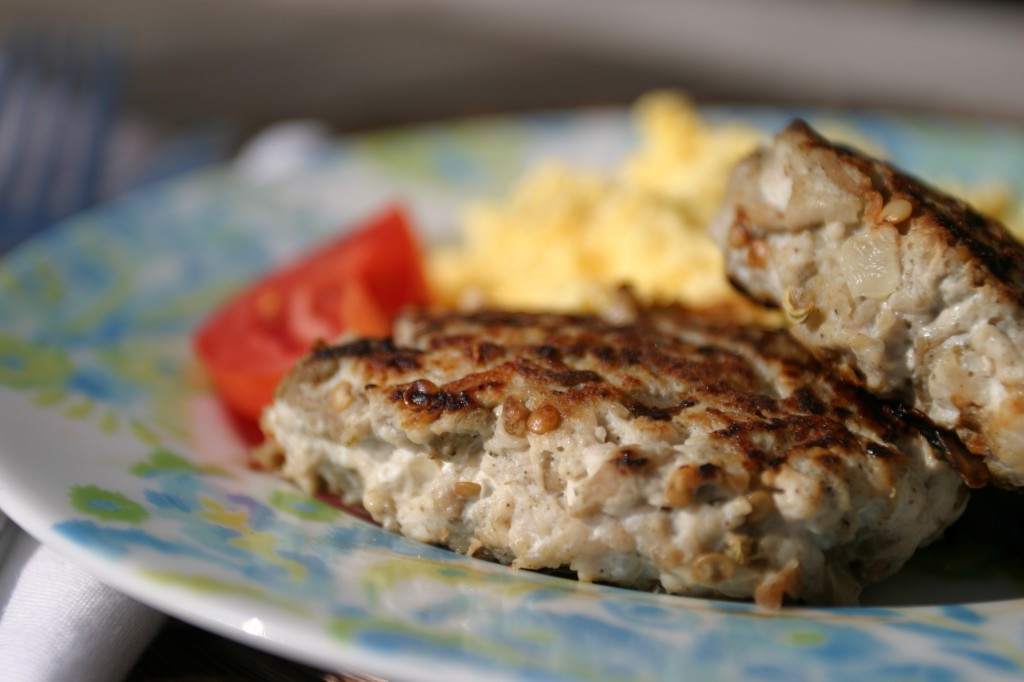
x=245 y=393
x=357 y=283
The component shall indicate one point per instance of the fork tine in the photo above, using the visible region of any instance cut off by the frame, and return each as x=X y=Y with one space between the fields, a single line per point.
x=40 y=204
x=104 y=81
x=19 y=98
x=58 y=123
x=12 y=46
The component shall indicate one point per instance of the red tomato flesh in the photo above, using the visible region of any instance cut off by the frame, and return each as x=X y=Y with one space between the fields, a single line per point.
x=356 y=283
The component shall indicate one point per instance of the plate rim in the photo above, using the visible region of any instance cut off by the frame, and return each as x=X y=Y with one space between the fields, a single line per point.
x=18 y=506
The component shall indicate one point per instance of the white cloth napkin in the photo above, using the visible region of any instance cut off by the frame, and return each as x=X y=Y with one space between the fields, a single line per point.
x=58 y=622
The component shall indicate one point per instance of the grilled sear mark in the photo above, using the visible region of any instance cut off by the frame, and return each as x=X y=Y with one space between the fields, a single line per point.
x=805 y=400
x=380 y=352
x=423 y=395
x=971 y=467
x=584 y=362
x=879 y=450
x=630 y=459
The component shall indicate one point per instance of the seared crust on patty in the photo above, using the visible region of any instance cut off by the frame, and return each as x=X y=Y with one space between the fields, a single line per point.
x=680 y=451
x=903 y=289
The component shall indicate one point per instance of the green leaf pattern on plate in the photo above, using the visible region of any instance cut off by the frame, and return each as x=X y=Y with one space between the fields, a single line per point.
x=96 y=318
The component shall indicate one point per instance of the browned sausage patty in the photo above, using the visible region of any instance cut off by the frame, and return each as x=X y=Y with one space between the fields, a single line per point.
x=679 y=450
x=901 y=288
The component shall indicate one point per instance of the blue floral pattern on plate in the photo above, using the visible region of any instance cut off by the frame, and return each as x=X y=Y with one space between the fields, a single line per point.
x=112 y=449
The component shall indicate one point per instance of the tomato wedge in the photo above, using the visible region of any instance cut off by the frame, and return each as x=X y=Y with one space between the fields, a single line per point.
x=356 y=283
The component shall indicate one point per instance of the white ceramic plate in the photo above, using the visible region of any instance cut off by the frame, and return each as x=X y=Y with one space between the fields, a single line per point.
x=113 y=451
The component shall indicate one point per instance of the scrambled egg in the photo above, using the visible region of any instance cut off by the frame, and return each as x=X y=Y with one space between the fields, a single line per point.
x=566 y=238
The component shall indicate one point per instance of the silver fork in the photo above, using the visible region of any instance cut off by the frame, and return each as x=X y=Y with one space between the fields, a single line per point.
x=58 y=101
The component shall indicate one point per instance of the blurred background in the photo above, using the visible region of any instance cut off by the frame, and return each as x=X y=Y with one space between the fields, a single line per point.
x=139 y=90
x=363 y=62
